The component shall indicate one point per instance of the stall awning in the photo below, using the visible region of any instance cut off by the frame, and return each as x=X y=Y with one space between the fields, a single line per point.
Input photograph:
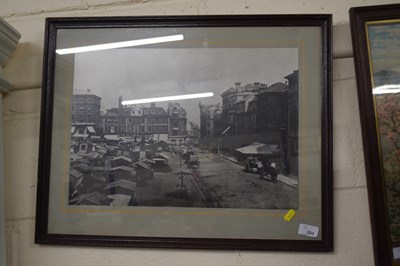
x=91 y=129
x=161 y=155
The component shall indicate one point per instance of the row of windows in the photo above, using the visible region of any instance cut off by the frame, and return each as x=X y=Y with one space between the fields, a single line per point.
x=137 y=120
x=240 y=107
x=85 y=100
x=274 y=117
x=136 y=129
x=127 y=112
x=145 y=111
x=178 y=132
x=88 y=109
x=153 y=111
x=84 y=118
x=158 y=129
x=133 y=112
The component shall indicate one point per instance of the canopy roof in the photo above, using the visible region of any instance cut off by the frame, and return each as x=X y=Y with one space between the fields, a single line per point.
x=160 y=155
x=182 y=172
x=121 y=158
x=258 y=148
x=122 y=183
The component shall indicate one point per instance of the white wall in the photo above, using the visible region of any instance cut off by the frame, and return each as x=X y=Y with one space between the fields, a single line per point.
x=21 y=130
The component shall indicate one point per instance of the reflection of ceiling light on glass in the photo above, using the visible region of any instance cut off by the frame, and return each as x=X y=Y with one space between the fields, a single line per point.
x=384 y=89
x=115 y=45
x=169 y=98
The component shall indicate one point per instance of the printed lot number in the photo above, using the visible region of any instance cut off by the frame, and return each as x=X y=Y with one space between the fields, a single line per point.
x=308 y=230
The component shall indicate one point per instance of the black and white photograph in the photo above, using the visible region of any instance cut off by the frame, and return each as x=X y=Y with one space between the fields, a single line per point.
x=184 y=127
x=186 y=132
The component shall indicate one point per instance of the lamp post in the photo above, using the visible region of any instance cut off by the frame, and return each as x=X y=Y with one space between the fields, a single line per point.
x=218 y=143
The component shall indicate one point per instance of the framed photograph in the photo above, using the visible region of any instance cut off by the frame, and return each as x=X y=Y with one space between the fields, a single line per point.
x=377 y=62
x=208 y=132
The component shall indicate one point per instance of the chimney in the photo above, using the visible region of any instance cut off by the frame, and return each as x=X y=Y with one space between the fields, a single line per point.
x=120 y=102
x=237 y=86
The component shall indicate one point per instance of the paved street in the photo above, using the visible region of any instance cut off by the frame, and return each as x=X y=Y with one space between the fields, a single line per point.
x=217 y=183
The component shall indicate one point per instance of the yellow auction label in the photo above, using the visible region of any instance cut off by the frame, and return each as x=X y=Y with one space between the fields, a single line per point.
x=289 y=215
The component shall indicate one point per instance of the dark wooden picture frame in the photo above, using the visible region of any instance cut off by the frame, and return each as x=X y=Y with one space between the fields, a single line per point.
x=70 y=223
x=370 y=76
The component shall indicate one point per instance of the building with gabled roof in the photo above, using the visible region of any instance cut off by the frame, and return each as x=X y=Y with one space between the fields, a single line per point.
x=230 y=100
x=94 y=198
x=123 y=183
x=120 y=161
x=137 y=121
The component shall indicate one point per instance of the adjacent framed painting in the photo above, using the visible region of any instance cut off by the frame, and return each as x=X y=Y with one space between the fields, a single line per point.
x=209 y=132
x=376 y=39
